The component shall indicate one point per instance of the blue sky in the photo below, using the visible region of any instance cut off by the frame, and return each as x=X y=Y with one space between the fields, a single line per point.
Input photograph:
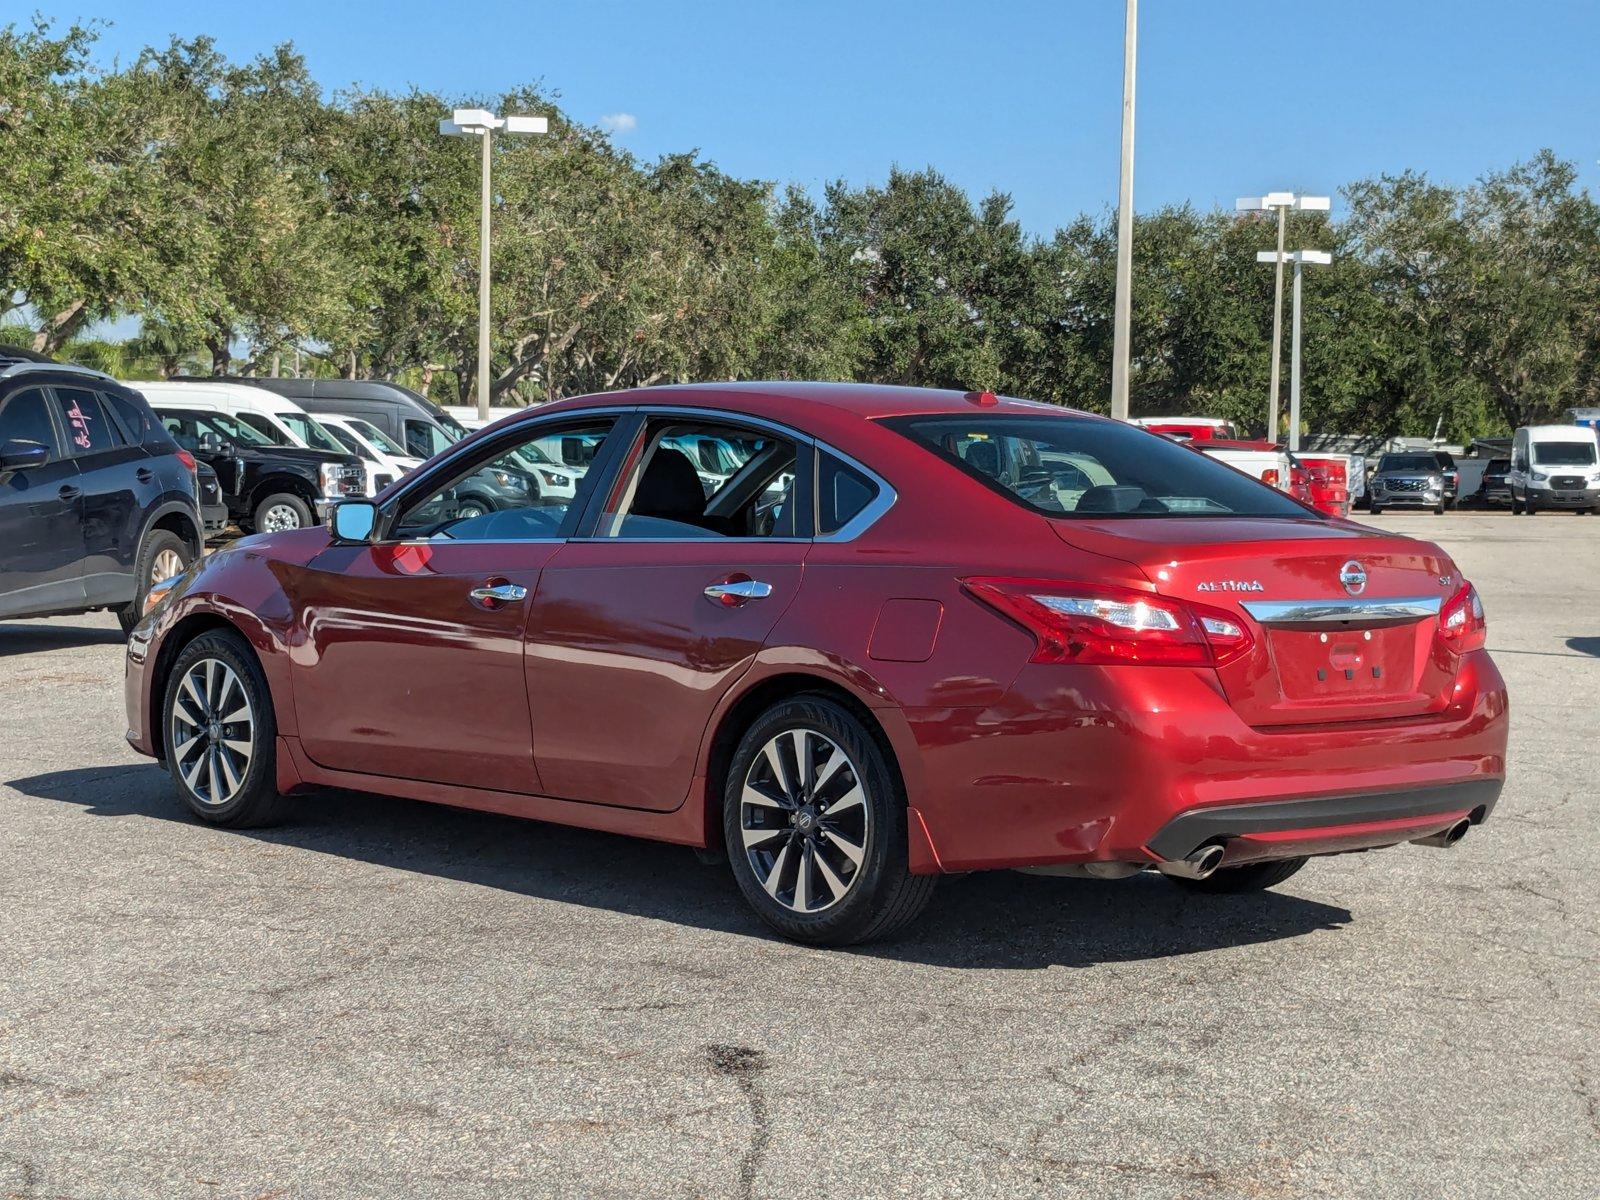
x=1235 y=97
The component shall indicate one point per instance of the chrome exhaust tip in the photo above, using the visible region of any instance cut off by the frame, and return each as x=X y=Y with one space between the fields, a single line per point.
x=1446 y=838
x=1199 y=864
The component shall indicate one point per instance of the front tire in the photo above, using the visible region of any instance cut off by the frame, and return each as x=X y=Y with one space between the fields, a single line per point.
x=163 y=555
x=1376 y=508
x=1252 y=877
x=282 y=511
x=814 y=818
x=219 y=733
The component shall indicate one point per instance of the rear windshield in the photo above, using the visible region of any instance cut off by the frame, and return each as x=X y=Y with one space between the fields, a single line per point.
x=1084 y=466
x=1408 y=462
x=1564 y=454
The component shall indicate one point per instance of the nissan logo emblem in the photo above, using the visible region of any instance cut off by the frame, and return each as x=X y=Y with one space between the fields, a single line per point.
x=1354 y=577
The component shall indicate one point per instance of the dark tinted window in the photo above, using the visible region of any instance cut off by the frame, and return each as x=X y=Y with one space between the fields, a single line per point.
x=1498 y=466
x=424 y=439
x=842 y=492
x=135 y=422
x=1408 y=462
x=1564 y=454
x=266 y=428
x=1066 y=466
x=25 y=418
x=89 y=429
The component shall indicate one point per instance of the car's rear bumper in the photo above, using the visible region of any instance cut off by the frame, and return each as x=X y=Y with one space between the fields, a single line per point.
x=1095 y=764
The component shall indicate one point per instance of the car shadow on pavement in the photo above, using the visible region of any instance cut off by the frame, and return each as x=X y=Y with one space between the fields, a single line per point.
x=1585 y=645
x=36 y=639
x=990 y=920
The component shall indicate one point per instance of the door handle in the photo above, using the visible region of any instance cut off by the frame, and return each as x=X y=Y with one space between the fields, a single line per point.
x=500 y=593
x=68 y=492
x=738 y=591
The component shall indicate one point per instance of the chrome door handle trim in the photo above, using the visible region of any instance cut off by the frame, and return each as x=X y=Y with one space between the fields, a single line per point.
x=744 y=589
x=505 y=593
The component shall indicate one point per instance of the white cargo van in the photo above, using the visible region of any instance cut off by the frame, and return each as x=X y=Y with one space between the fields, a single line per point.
x=1554 y=466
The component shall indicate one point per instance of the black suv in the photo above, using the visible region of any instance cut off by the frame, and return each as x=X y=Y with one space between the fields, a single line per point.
x=267 y=487
x=96 y=501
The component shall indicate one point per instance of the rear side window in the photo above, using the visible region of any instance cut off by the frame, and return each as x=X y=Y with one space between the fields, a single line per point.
x=842 y=493
x=1067 y=466
x=26 y=418
x=265 y=427
x=424 y=439
x=89 y=429
x=136 y=424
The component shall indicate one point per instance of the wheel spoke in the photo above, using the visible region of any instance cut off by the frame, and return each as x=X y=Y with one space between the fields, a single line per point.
x=804 y=763
x=754 y=795
x=238 y=715
x=773 y=881
x=181 y=749
x=182 y=712
x=229 y=775
x=836 y=761
x=191 y=776
x=775 y=764
x=802 y=884
x=242 y=749
x=194 y=692
x=755 y=839
x=836 y=885
x=855 y=853
x=851 y=799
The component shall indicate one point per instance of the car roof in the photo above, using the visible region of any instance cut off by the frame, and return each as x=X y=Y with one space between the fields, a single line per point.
x=1560 y=433
x=172 y=391
x=788 y=400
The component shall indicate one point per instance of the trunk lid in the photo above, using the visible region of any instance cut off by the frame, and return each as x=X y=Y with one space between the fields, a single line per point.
x=1323 y=652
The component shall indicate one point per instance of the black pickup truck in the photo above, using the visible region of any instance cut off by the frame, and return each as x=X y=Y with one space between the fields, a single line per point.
x=266 y=487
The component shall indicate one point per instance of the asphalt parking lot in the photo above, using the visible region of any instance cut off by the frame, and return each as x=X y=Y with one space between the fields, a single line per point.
x=390 y=999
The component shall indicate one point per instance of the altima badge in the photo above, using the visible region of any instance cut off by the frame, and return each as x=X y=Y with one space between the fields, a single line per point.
x=1230 y=585
x=1354 y=577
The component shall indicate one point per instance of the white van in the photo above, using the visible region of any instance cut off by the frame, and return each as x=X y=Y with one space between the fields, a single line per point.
x=367 y=442
x=1554 y=466
x=282 y=421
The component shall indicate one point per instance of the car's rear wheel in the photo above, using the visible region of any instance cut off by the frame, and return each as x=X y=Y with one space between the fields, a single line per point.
x=1376 y=509
x=163 y=555
x=1252 y=877
x=220 y=733
x=282 y=511
x=814 y=819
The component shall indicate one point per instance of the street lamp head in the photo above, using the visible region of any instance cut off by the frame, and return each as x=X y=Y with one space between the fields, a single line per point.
x=527 y=125
x=1274 y=201
x=476 y=122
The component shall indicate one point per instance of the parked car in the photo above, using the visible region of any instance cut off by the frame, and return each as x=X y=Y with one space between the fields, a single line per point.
x=906 y=666
x=267 y=488
x=213 y=507
x=97 y=504
x=1407 y=480
x=1554 y=466
x=1495 y=490
x=410 y=419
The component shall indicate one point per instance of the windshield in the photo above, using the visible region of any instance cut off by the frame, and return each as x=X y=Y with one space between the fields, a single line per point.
x=310 y=433
x=1408 y=462
x=376 y=436
x=1564 y=454
x=231 y=430
x=1083 y=466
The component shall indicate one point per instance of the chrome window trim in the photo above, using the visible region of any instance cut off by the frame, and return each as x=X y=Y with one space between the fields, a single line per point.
x=1339 y=612
x=870 y=512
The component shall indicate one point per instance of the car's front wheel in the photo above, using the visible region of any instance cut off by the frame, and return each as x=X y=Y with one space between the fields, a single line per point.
x=815 y=825
x=282 y=511
x=220 y=733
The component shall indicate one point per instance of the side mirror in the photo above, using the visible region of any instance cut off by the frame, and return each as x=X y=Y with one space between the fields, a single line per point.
x=20 y=455
x=353 y=522
x=211 y=443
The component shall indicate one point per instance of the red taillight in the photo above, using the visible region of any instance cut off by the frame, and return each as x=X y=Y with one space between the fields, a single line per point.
x=1091 y=623
x=187 y=460
x=1270 y=477
x=1461 y=623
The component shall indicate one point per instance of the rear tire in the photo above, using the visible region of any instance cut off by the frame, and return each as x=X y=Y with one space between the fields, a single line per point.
x=1376 y=509
x=814 y=818
x=219 y=733
x=1438 y=509
x=162 y=555
x=1252 y=877
x=1516 y=505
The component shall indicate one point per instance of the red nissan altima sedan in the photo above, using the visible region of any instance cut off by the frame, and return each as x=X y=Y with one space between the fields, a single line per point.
x=855 y=636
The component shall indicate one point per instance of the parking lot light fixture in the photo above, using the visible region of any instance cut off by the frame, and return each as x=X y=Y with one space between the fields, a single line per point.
x=1282 y=203
x=1298 y=259
x=481 y=123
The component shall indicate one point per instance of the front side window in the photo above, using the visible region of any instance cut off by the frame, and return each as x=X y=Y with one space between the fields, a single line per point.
x=697 y=480
x=1564 y=454
x=373 y=434
x=348 y=440
x=89 y=428
x=1066 y=466
x=424 y=439
x=265 y=428
x=498 y=499
x=311 y=432
x=26 y=418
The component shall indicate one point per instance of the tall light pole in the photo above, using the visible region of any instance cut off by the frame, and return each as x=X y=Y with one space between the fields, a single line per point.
x=1299 y=258
x=1121 y=316
x=1282 y=203
x=481 y=123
